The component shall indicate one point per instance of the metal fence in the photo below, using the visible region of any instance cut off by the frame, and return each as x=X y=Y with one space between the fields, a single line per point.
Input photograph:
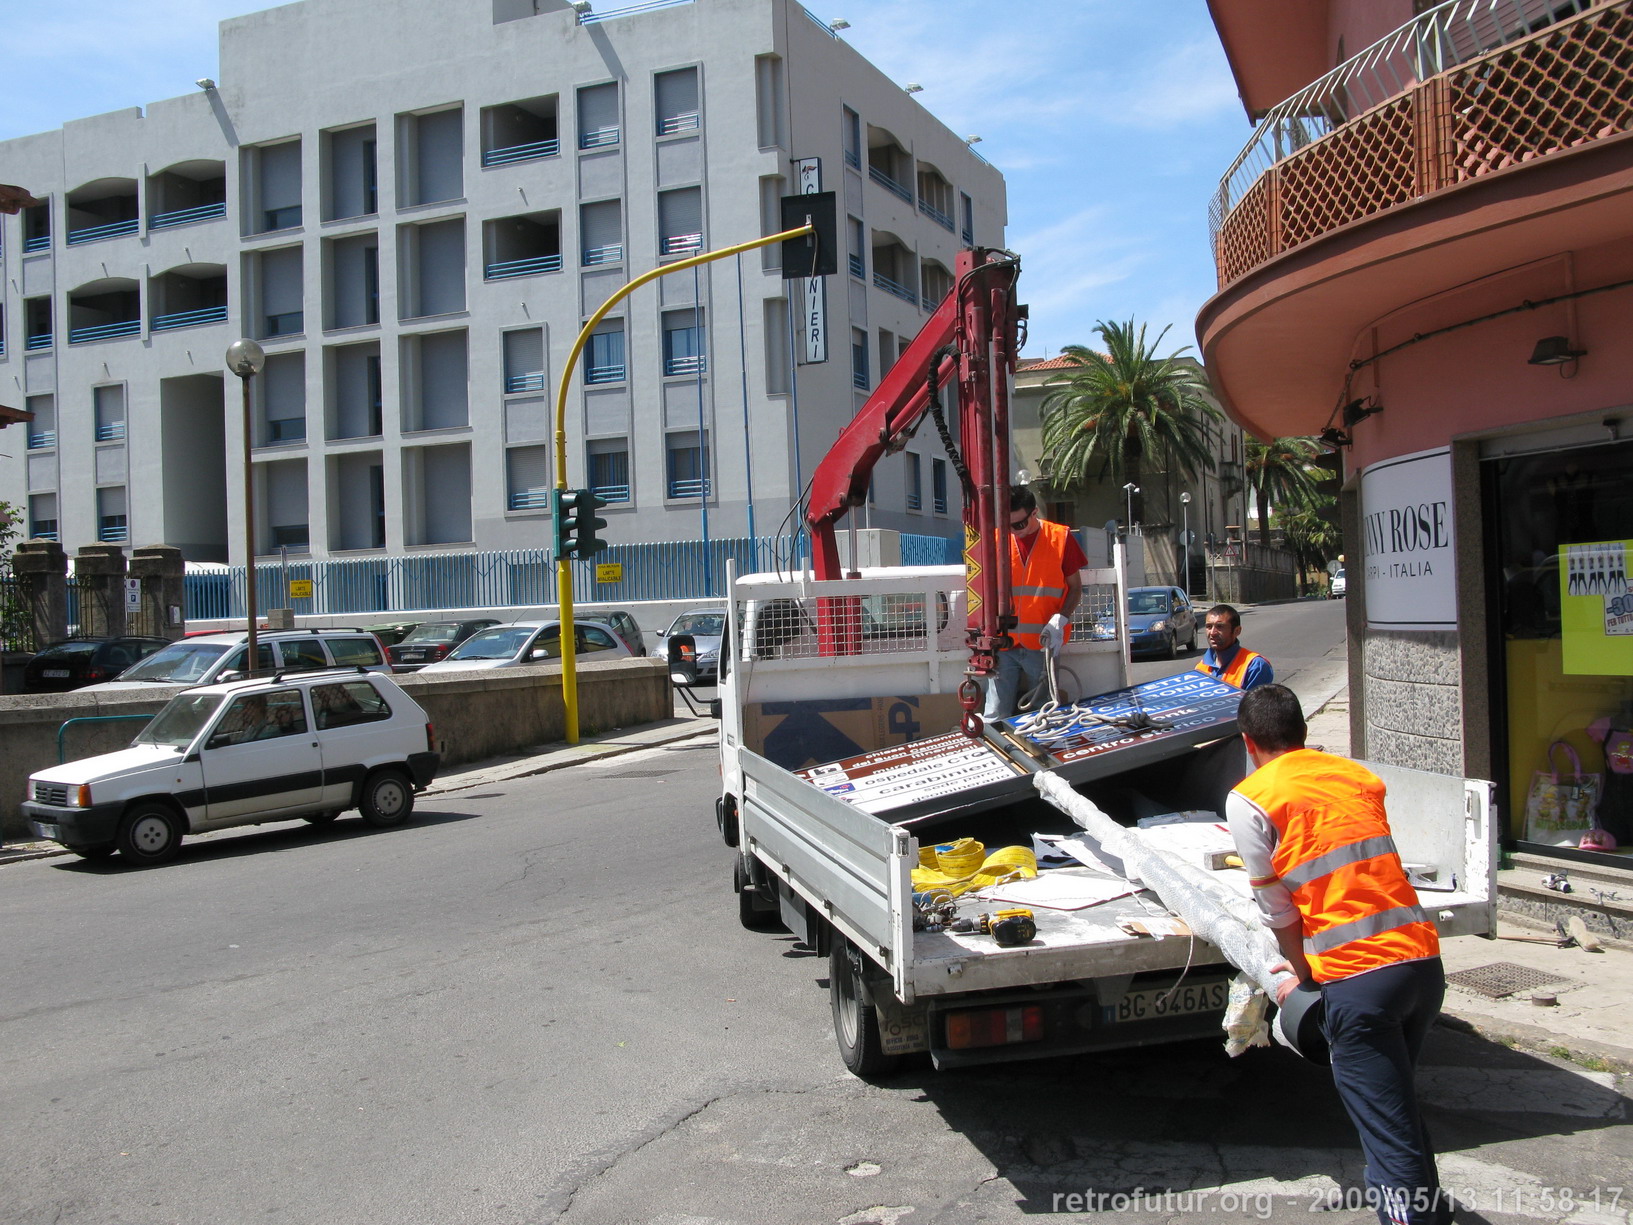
x=16 y=622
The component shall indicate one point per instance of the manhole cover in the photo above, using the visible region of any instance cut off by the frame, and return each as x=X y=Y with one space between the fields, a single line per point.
x=1502 y=978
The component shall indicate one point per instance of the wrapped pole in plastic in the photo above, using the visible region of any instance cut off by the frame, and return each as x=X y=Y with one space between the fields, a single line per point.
x=1229 y=923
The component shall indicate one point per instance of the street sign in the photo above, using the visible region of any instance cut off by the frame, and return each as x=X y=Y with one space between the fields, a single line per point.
x=133 y=595
x=300 y=589
x=610 y=572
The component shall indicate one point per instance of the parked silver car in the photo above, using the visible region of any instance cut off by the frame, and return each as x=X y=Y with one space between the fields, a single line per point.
x=707 y=626
x=528 y=642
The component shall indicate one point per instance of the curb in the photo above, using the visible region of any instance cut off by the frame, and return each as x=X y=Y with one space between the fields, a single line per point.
x=1535 y=1040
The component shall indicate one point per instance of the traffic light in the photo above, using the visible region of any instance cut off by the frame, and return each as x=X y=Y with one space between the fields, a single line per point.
x=576 y=523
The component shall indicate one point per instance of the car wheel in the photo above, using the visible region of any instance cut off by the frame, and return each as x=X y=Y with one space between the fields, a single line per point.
x=1173 y=646
x=387 y=798
x=321 y=818
x=1193 y=637
x=856 y=1022
x=100 y=851
x=149 y=834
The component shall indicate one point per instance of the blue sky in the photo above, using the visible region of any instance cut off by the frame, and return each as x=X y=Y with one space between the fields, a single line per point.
x=1112 y=122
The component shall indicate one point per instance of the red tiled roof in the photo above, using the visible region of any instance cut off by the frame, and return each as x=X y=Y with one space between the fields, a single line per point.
x=1047 y=363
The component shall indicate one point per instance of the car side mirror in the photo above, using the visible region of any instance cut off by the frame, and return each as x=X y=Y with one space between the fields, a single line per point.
x=231 y=676
x=681 y=651
x=538 y=653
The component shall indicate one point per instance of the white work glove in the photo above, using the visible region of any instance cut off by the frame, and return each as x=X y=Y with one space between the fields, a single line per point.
x=1053 y=635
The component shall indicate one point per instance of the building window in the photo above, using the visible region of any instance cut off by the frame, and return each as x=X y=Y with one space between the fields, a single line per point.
x=42 y=431
x=275 y=195
x=938 y=485
x=292 y=536
x=524 y=360
x=683 y=343
x=851 y=133
x=687 y=465
x=859 y=359
x=680 y=221
x=604 y=354
x=915 y=489
x=111 y=524
x=601 y=230
x=859 y=246
x=677 y=101
x=431 y=157
x=609 y=468
x=520 y=131
x=42 y=516
x=528 y=473
x=598 y=126
x=110 y=413
x=967 y=209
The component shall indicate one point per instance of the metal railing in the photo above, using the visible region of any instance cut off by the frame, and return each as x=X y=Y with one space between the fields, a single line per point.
x=113 y=229
x=819 y=23
x=187 y=319
x=183 y=216
x=680 y=244
x=935 y=214
x=113 y=533
x=104 y=331
x=968 y=235
x=506 y=270
x=521 y=153
x=889 y=184
x=594 y=18
x=604 y=374
x=612 y=493
x=530 y=499
x=40 y=242
x=859 y=267
x=43 y=438
x=853 y=159
x=859 y=379
x=1392 y=69
x=40 y=340
x=694 y=363
x=110 y=431
x=881 y=281
x=914 y=502
x=598 y=138
x=697 y=487
x=612 y=253
x=533 y=380
x=688 y=121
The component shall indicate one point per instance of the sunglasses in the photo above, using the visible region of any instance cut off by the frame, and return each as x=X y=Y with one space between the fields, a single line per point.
x=1016 y=525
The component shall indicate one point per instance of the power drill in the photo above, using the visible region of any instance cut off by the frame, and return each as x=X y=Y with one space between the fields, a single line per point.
x=1007 y=928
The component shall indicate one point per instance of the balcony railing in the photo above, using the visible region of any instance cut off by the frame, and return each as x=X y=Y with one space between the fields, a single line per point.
x=104 y=331
x=40 y=242
x=610 y=373
x=940 y=504
x=533 y=380
x=670 y=124
x=40 y=340
x=44 y=529
x=968 y=235
x=1462 y=91
x=889 y=184
x=521 y=153
x=110 y=431
x=113 y=229
x=858 y=267
x=612 y=253
x=853 y=159
x=693 y=364
x=612 y=493
x=680 y=244
x=187 y=319
x=598 y=138
x=594 y=18
x=508 y=269
x=530 y=499
x=859 y=379
x=935 y=214
x=185 y=216
x=113 y=530
x=915 y=502
x=881 y=281
x=697 y=487
x=42 y=438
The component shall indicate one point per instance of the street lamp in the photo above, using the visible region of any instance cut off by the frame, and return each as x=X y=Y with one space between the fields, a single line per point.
x=1129 y=490
x=1185 y=539
x=245 y=359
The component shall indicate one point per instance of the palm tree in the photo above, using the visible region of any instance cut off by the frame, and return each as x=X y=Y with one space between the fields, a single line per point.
x=1114 y=408
x=1278 y=472
x=1310 y=536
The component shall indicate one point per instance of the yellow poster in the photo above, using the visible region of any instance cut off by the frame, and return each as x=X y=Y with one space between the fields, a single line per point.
x=1596 y=608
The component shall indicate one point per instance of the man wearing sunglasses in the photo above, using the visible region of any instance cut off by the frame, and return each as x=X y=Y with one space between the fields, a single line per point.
x=1045 y=561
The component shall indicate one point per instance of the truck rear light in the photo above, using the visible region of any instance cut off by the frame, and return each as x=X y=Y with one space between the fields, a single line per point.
x=430 y=739
x=975 y=1027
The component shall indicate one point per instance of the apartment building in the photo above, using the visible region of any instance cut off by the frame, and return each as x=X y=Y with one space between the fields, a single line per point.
x=414 y=206
x=1425 y=255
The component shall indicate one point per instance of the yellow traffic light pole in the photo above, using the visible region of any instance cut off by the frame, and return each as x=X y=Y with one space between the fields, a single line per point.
x=564 y=567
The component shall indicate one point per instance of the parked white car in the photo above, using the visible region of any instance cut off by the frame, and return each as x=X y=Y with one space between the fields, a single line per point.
x=205 y=659
x=243 y=753
x=1339 y=586
x=528 y=642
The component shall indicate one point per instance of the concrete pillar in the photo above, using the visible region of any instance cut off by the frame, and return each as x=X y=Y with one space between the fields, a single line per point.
x=99 y=573
x=163 y=612
x=41 y=570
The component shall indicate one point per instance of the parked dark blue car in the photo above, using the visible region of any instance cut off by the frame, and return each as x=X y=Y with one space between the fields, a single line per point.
x=1160 y=621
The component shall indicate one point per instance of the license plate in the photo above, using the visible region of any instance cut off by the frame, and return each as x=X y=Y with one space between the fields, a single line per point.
x=1154 y=1003
x=411 y=655
x=55 y=673
x=45 y=830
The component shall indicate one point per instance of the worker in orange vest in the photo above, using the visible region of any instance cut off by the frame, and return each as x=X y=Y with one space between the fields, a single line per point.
x=1226 y=659
x=1046 y=583
x=1314 y=837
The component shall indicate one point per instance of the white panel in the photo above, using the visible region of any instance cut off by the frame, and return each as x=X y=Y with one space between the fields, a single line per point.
x=444 y=381
x=1409 y=537
x=447 y=494
x=527 y=420
x=607 y=412
x=286 y=494
x=110 y=465
x=42 y=472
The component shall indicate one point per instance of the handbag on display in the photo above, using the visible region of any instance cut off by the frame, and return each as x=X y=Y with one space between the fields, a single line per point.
x=1562 y=805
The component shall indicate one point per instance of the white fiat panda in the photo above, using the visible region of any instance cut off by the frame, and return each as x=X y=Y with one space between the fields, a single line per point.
x=275 y=748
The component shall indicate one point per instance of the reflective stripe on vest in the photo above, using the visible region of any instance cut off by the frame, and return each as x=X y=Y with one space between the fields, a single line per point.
x=1039 y=587
x=1236 y=673
x=1335 y=855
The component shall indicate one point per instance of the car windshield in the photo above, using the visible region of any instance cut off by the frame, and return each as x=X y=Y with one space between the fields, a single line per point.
x=1147 y=602
x=63 y=650
x=499 y=643
x=178 y=723
x=177 y=663
x=710 y=624
x=436 y=633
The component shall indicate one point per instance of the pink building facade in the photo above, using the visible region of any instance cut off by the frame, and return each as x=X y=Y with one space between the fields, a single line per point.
x=1426 y=250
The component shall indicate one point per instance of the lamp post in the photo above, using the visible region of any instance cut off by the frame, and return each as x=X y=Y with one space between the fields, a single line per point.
x=1185 y=541
x=1129 y=490
x=245 y=359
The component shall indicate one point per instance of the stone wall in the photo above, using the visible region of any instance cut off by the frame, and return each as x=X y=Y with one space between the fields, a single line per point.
x=1412 y=704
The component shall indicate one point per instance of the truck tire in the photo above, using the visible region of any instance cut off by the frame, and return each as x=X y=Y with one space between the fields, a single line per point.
x=388 y=798
x=748 y=914
x=149 y=834
x=856 y=1022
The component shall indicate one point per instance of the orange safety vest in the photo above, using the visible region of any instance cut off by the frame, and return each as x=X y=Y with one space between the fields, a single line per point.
x=1039 y=587
x=1236 y=673
x=1337 y=857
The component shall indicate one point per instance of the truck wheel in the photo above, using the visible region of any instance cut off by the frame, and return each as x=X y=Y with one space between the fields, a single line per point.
x=149 y=834
x=856 y=1022
x=387 y=799
x=748 y=914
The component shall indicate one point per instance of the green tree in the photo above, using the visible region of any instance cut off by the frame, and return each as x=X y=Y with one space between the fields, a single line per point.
x=1279 y=472
x=14 y=621
x=1312 y=539
x=1115 y=410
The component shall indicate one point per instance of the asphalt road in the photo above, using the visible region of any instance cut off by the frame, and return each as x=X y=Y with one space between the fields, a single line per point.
x=535 y=1003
